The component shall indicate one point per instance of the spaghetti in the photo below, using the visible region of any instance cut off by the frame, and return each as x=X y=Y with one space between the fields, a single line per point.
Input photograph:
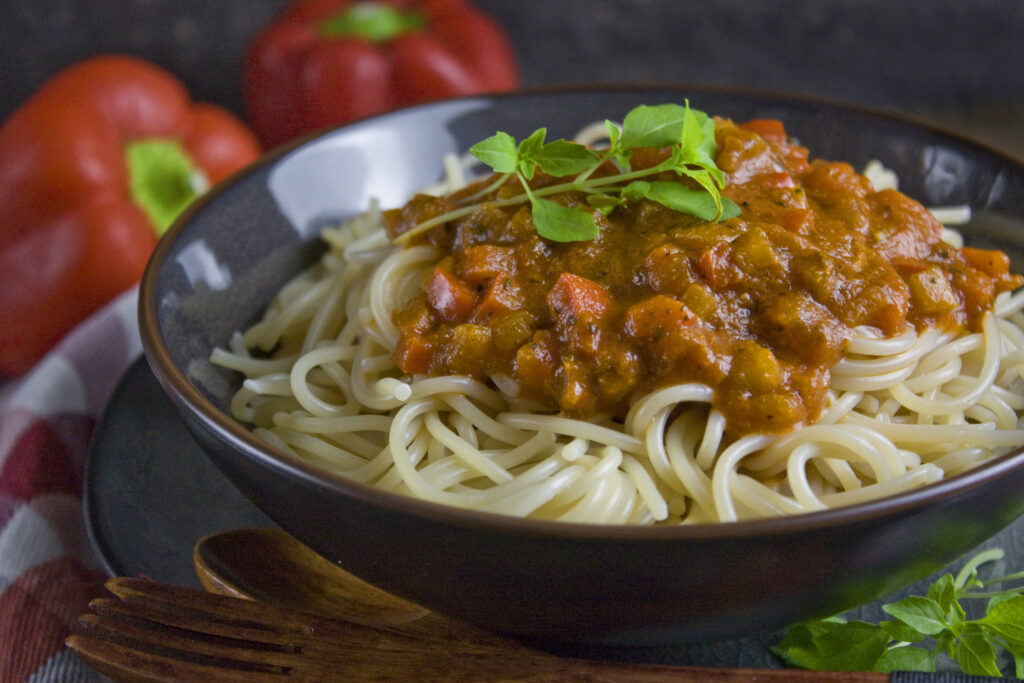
x=899 y=411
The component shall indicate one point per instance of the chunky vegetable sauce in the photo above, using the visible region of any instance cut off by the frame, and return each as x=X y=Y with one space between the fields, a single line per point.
x=758 y=307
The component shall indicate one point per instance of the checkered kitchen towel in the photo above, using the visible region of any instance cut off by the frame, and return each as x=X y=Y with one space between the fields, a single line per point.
x=48 y=571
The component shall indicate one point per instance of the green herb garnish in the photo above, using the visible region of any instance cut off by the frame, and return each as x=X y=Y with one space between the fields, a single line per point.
x=922 y=629
x=688 y=133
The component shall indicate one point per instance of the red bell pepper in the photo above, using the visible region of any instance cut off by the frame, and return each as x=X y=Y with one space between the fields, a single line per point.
x=92 y=166
x=324 y=62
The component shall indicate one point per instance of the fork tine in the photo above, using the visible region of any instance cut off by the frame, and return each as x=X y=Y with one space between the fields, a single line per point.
x=169 y=616
x=123 y=663
x=220 y=615
x=233 y=612
x=231 y=653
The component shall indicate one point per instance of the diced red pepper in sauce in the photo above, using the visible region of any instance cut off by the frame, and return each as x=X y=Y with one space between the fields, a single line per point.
x=992 y=262
x=769 y=129
x=501 y=296
x=485 y=261
x=656 y=317
x=450 y=297
x=413 y=354
x=574 y=298
x=758 y=307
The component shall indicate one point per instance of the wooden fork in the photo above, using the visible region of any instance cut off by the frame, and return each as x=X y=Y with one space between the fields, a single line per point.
x=153 y=632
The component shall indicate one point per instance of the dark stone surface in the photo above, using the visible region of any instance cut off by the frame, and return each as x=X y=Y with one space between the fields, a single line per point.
x=959 y=63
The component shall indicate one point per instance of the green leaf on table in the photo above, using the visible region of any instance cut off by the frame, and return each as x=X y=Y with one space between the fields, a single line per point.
x=902 y=633
x=943 y=592
x=834 y=646
x=1006 y=619
x=920 y=613
x=976 y=655
x=905 y=658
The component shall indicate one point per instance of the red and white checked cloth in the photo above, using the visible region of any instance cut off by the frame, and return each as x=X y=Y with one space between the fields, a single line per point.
x=48 y=571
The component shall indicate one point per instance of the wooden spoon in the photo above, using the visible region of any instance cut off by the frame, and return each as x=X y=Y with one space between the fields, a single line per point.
x=271 y=566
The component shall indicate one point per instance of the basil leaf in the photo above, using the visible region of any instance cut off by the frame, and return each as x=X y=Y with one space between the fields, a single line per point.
x=498 y=151
x=699 y=203
x=976 y=655
x=1002 y=597
x=708 y=148
x=945 y=643
x=943 y=592
x=657 y=126
x=730 y=209
x=834 y=646
x=900 y=632
x=923 y=614
x=636 y=190
x=693 y=132
x=562 y=158
x=528 y=150
x=605 y=203
x=688 y=133
x=613 y=133
x=562 y=223
x=1006 y=619
x=905 y=658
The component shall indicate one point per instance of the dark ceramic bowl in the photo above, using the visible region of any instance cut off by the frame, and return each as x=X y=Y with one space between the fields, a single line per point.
x=221 y=263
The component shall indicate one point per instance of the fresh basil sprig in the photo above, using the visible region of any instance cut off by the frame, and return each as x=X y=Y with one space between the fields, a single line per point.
x=689 y=135
x=922 y=629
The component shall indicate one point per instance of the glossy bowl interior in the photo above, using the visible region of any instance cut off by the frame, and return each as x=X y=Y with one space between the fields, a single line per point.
x=225 y=258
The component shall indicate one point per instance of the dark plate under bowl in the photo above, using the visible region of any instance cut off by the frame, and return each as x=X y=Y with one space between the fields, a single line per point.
x=224 y=259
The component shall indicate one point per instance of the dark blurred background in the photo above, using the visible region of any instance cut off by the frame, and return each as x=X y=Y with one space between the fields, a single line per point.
x=959 y=63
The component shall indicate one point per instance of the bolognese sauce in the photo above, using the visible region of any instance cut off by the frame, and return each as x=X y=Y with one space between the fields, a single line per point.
x=758 y=307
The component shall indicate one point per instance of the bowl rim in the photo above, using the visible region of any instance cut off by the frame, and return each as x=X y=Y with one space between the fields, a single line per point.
x=187 y=397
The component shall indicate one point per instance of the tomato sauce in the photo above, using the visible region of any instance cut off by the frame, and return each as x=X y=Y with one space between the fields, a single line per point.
x=758 y=307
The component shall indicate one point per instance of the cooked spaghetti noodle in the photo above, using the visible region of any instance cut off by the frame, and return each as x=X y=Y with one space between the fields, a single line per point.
x=900 y=411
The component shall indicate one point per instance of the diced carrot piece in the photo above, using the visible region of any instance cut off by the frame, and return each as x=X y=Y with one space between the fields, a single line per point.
x=656 y=317
x=449 y=296
x=413 y=354
x=989 y=261
x=799 y=221
x=769 y=129
x=780 y=180
x=831 y=178
x=501 y=296
x=486 y=261
x=715 y=267
x=573 y=298
x=667 y=267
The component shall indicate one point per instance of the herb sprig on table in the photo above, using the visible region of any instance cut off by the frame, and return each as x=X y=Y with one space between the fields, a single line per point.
x=922 y=629
x=688 y=134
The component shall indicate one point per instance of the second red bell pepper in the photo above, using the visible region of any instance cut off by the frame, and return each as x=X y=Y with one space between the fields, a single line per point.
x=324 y=62
x=92 y=167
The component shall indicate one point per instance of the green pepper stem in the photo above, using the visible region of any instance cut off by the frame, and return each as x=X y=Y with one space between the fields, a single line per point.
x=163 y=179
x=371 y=21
